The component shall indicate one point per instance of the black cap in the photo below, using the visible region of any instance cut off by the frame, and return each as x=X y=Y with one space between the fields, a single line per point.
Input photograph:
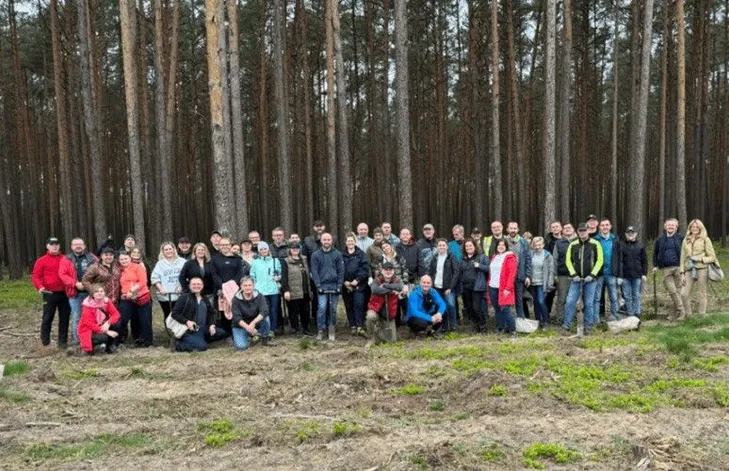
x=108 y=250
x=319 y=222
x=631 y=229
x=388 y=266
x=184 y=240
x=52 y=240
x=216 y=232
x=246 y=241
x=583 y=227
x=592 y=216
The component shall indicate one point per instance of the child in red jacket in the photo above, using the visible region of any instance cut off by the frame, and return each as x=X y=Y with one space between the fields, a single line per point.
x=99 y=319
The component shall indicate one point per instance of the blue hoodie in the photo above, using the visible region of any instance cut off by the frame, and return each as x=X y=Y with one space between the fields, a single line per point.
x=416 y=309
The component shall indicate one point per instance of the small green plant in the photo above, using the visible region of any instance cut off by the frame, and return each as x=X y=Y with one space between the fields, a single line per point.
x=497 y=390
x=492 y=453
x=721 y=394
x=409 y=390
x=14 y=397
x=306 y=343
x=419 y=461
x=16 y=368
x=81 y=374
x=709 y=364
x=19 y=295
x=307 y=431
x=306 y=366
x=554 y=451
x=344 y=429
x=436 y=406
x=462 y=416
x=525 y=366
x=219 y=433
x=105 y=444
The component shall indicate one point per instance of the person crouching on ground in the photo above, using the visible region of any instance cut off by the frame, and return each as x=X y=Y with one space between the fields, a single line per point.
x=99 y=323
x=425 y=309
x=195 y=310
x=382 y=308
x=250 y=316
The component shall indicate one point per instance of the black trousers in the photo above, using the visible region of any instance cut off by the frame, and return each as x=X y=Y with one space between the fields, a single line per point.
x=98 y=339
x=419 y=325
x=167 y=307
x=472 y=302
x=299 y=313
x=56 y=300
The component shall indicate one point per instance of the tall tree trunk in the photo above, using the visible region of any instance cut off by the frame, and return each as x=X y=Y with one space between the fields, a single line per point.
x=239 y=164
x=636 y=209
x=227 y=114
x=160 y=96
x=662 y=120
x=495 y=134
x=345 y=177
x=564 y=114
x=681 y=115
x=614 y=137
x=477 y=133
x=171 y=102
x=282 y=115
x=90 y=122
x=521 y=162
x=402 y=78
x=128 y=17
x=222 y=181
x=550 y=185
x=331 y=121
x=308 y=137
x=64 y=163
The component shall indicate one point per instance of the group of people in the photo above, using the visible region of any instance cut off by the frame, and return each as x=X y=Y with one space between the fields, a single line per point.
x=248 y=290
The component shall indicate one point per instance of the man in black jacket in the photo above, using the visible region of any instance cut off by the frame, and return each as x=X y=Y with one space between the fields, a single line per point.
x=667 y=258
x=633 y=270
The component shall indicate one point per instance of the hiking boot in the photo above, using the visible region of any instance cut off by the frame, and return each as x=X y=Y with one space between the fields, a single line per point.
x=320 y=336
x=332 y=333
x=173 y=343
x=353 y=330
x=266 y=342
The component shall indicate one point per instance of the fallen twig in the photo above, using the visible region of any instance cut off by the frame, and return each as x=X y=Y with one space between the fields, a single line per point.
x=43 y=424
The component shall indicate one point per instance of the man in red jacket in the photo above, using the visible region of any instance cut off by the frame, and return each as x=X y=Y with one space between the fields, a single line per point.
x=47 y=281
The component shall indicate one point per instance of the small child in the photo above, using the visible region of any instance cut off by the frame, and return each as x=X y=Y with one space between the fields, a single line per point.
x=634 y=270
x=98 y=324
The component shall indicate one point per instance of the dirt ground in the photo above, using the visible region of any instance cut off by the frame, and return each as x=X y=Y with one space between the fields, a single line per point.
x=468 y=402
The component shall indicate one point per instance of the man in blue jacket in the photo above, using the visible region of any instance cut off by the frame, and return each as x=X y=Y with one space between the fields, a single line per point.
x=425 y=309
x=327 y=273
x=667 y=258
x=608 y=277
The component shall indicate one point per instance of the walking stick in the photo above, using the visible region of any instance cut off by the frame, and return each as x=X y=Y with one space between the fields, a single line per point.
x=655 y=297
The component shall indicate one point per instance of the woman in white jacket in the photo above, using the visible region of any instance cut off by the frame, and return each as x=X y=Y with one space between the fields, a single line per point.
x=166 y=276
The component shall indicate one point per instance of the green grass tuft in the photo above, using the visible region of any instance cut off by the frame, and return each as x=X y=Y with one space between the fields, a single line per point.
x=409 y=390
x=16 y=368
x=344 y=429
x=106 y=444
x=306 y=343
x=14 y=397
x=436 y=406
x=81 y=374
x=19 y=295
x=306 y=366
x=553 y=451
x=498 y=390
x=721 y=394
x=219 y=433
x=492 y=453
x=306 y=431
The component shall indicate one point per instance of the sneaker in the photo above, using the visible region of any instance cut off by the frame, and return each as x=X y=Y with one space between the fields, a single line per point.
x=361 y=332
x=266 y=342
x=353 y=330
x=332 y=333
x=320 y=336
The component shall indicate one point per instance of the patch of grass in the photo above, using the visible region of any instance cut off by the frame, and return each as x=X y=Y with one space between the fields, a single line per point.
x=19 y=295
x=219 y=433
x=307 y=430
x=635 y=402
x=14 y=397
x=364 y=412
x=16 y=368
x=466 y=351
x=435 y=370
x=471 y=365
x=721 y=394
x=682 y=340
x=306 y=366
x=462 y=416
x=419 y=461
x=553 y=451
x=106 y=444
x=492 y=453
x=436 y=406
x=306 y=343
x=498 y=390
x=409 y=390
x=344 y=429
x=81 y=374
x=525 y=366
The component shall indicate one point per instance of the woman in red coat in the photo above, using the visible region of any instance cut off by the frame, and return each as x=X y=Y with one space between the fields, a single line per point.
x=99 y=322
x=502 y=272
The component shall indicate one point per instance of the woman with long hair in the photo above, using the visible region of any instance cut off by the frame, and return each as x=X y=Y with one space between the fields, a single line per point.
x=501 y=287
x=166 y=276
x=136 y=303
x=697 y=253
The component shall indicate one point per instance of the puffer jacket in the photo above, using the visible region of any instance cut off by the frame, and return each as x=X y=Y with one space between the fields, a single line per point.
x=634 y=263
x=471 y=277
x=401 y=269
x=667 y=252
x=295 y=279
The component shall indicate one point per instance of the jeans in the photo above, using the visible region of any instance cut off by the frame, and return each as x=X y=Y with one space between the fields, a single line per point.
x=274 y=310
x=504 y=319
x=143 y=314
x=354 y=303
x=611 y=283
x=75 y=304
x=540 y=304
x=324 y=318
x=198 y=341
x=449 y=319
x=588 y=298
x=242 y=339
x=519 y=293
x=51 y=302
x=633 y=291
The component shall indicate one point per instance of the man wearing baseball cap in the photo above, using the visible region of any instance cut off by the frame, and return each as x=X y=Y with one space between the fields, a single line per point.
x=46 y=280
x=428 y=244
x=584 y=261
x=183 y=248
x=633 y=270
x=592 y=224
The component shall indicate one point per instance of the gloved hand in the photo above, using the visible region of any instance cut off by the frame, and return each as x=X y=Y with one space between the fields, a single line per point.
x=576 y=279
x=589 y=279
x=620 y=282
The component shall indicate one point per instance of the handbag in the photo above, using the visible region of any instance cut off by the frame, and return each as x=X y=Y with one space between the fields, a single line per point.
x=715 y=272
x=177 y=329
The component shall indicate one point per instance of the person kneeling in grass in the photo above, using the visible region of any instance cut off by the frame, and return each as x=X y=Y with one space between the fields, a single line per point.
x=99 y=324
x=250 y=316
x=425 y=309
x=195 y=311
x=382 y=308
